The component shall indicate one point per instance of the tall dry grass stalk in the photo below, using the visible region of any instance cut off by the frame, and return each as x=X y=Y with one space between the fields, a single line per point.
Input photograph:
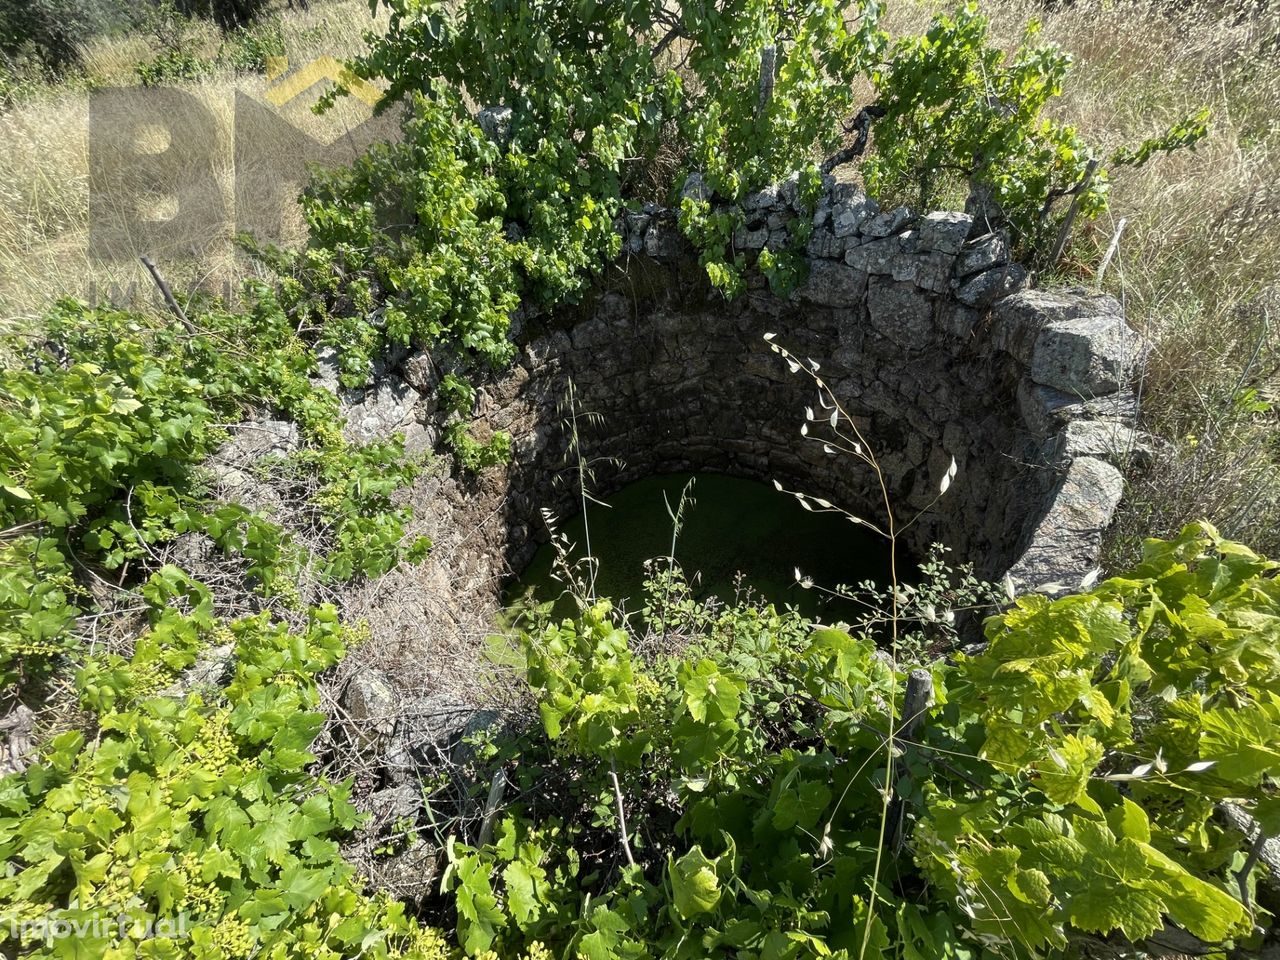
x=1199 y=253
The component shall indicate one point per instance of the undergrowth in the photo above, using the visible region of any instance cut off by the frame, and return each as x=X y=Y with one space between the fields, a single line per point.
x=726 y=799
x=731 y=799
x=102 y=432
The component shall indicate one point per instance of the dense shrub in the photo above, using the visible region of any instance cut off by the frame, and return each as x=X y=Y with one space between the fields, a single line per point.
x=749 y=786
x=50 y=31
x=960 y=114
x=189 y=826
x=581 y=136
x=407 y=246
x=743 y=94
x=752 y=794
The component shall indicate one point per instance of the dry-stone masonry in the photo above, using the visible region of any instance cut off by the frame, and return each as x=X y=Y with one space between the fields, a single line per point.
x=924 y=329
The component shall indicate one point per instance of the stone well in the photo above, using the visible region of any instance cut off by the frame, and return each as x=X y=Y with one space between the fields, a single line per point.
x=921 y=327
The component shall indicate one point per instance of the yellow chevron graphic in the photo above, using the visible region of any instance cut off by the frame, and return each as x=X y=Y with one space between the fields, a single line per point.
x=305 y=77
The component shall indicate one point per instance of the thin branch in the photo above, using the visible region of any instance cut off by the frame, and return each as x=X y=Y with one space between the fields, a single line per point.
x=1257 y=350
x=1251 y=861
x=671 y=37
x=1053 y=196
x=1064 y=234
x=18 y=530
x=167 y=293
x=128 y=510
x=1263 y=848
x=622 y=817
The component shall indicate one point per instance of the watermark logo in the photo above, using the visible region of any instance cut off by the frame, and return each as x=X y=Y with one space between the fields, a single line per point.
x=317 y=71
x=51 y=929
x=176 y=172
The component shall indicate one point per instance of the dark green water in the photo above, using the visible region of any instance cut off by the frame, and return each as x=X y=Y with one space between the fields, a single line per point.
x=731 y=526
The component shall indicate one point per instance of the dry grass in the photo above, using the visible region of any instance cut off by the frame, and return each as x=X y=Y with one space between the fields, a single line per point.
x=1200 y=246
x=45 y=170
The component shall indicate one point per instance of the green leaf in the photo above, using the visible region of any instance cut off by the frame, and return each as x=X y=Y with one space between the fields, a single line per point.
x=709 y=693
x=301 y=886
x=694 y=885
x=1267 y=812
x=800 y=805
x=18 y=493
x=1244 y=742
x=479 y=918
x=1207 y=911
x=605 y=937
x=1064 y=776
x=1115 y=893
x=274 y=834
x=522 y=896
x=1130 y=820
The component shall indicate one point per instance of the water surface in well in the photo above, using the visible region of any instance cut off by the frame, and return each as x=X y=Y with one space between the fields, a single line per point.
x=730 y=526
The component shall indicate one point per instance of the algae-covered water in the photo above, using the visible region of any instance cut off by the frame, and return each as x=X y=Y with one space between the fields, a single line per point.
x=731 y=526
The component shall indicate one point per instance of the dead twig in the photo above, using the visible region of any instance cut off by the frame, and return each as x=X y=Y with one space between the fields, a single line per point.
x=167 y=294
x=1112 y=248
x=622 y=817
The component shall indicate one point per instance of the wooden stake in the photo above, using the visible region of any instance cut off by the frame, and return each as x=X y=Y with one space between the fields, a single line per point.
x=915 y=705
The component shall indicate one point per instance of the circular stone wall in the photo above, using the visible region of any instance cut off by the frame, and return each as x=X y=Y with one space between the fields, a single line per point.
x=921 y=329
